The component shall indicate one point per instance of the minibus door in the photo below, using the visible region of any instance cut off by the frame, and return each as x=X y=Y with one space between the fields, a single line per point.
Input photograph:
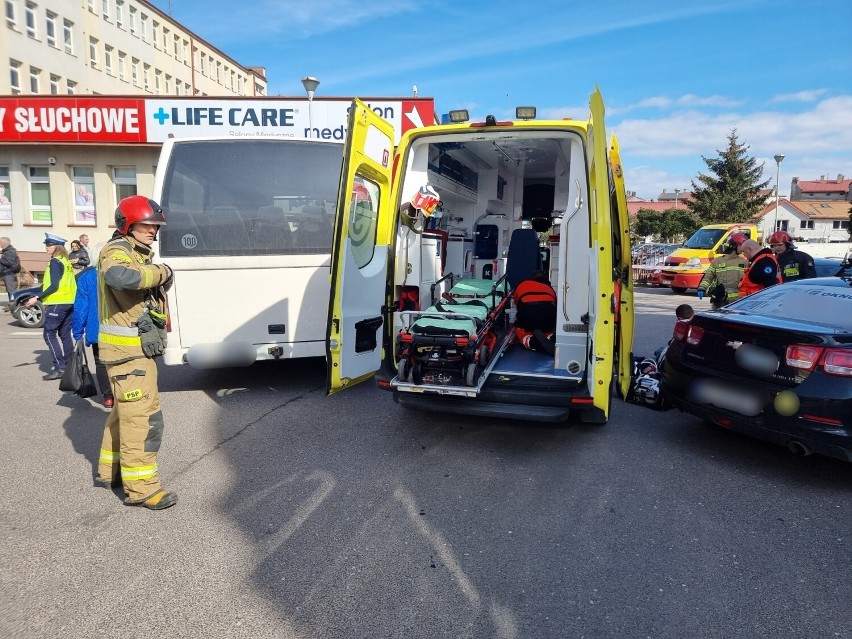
x=623 y=296
x=363 y=237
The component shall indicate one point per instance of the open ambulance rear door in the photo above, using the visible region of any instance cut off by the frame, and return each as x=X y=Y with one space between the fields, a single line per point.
x=622 y=265
x=363 y=238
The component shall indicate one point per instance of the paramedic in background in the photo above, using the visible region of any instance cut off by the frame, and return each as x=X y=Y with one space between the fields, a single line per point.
x=794 y=264
x=535 y=321
x=57 y=296
x=762 y=270
x=722 y=278
x=133 y=315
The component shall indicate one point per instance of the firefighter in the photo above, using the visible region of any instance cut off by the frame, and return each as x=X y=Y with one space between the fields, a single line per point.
x=762 y=270
x=535 y=321
x=57 y=295
x=133 y=315
x=794 y=264
x=722 y=278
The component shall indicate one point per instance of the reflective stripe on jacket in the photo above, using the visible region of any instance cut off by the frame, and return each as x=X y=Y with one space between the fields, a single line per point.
x=127 y=284
x=726 y=270
x=67 y=284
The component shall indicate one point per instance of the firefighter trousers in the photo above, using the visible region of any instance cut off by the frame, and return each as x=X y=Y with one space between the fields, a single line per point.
x=134 y=429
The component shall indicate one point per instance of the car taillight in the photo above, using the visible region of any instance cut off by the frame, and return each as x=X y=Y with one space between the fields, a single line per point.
x=804 y=357
x=680 y=330
x=694 y=335
x=837 y=361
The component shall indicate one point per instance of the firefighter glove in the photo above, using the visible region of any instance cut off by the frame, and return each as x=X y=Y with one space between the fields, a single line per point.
x=700 y=294
x=152 y=340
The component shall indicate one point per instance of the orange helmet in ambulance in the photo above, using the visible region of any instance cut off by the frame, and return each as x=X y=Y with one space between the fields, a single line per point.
x=137 y=208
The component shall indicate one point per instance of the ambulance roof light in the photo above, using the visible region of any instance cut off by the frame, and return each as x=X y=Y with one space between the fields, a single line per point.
x=525 y=113
x=459 y=115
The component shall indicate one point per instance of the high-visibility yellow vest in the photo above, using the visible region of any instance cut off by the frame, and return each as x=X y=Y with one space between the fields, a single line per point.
x=67 y=285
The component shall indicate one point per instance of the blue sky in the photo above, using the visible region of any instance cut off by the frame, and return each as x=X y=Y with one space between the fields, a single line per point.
x=676 y=76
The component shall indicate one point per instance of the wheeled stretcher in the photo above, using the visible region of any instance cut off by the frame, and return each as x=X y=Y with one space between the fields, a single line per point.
x=453 y=340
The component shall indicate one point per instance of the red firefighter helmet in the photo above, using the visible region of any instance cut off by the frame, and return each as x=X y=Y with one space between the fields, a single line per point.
x=137 y=208
x=737 y=238
x=780 y=237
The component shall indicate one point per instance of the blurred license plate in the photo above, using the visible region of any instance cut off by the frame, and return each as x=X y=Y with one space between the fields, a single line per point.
x=726 y=396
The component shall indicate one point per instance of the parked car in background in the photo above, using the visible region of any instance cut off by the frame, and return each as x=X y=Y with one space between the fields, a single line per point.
x=648 y=259
x=776 y=365
x=827 y=266
x=28 y=316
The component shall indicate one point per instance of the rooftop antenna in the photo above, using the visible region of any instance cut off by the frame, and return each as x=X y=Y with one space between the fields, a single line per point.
x=414 y=90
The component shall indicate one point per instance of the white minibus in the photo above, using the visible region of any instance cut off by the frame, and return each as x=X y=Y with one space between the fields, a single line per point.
x=248 y=235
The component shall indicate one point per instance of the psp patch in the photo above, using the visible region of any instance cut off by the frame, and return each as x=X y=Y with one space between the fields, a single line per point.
x=130 y=395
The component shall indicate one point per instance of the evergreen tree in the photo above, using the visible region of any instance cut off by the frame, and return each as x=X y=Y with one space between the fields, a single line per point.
x=732 y=193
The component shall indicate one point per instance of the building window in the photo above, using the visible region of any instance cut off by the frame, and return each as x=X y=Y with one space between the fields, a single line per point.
x=5 y=196
x=50 y=28
x=185 y=52
x=119 y=13
x=837 y=225
x=134 y=71
x=108 y=59
x=203 y=65
x=93 y=52
x=143 y=27
x=146 y=76
x=11 y=14
x=168 y=84
x=39 y=182
x=124 y=178
x=68 y=36
x=133 y=20
x=83 y=178
x=806 y=224
x=15 y=76
x=158 y=82
x=155 y=34
x=30 y=19
x=93 y=6
x=165 y=40
x=218 y=72
x=781 y=225
x=105 y=9
x=186 y=90
x=177 y=47
x=70 y=87
x=34 y=79
x=122 y=66
x=54 y=84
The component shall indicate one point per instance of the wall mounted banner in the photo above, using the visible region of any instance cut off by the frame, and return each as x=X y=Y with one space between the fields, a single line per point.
x=96 y=119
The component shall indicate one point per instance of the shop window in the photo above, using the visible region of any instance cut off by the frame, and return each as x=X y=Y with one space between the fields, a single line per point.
x=39 y=181
x=83 y=178
x=124 y=178
x=5 y=196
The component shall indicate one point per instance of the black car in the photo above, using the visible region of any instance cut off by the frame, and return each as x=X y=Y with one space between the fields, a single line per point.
x=776 y=365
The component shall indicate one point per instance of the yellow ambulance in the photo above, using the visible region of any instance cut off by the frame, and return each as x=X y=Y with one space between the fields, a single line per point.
x=432 y=237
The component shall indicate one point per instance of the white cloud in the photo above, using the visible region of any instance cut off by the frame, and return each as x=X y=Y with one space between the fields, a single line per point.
x=801 y=96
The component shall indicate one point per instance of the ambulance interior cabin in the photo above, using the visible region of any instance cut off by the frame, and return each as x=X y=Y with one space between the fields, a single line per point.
x=511 y=202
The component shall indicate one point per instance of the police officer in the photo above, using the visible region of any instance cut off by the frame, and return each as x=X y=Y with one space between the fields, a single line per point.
x=57 y=296
x=132 y=333
x=794 y=264
x=762 y=269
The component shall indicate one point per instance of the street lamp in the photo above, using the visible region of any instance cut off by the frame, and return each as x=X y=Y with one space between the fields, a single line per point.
x=676 y=193
x=310 y=83
x=778 y=159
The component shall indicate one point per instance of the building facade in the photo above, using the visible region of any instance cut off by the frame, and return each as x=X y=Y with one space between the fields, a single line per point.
x=839 y=189
x=818 y=221
x=112 y=47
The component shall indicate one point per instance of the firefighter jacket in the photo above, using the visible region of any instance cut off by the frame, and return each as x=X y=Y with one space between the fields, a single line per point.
x=795 y=265
x=64 y=291
x=762 y=271
x=129 y=284
x=726 y=270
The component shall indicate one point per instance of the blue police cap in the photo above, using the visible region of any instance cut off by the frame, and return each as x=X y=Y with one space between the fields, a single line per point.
x=50 y=238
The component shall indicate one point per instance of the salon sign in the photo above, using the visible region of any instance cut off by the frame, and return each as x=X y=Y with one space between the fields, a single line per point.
x=130 y=120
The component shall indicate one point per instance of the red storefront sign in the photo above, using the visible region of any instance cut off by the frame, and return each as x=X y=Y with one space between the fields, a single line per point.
x=72 y=120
